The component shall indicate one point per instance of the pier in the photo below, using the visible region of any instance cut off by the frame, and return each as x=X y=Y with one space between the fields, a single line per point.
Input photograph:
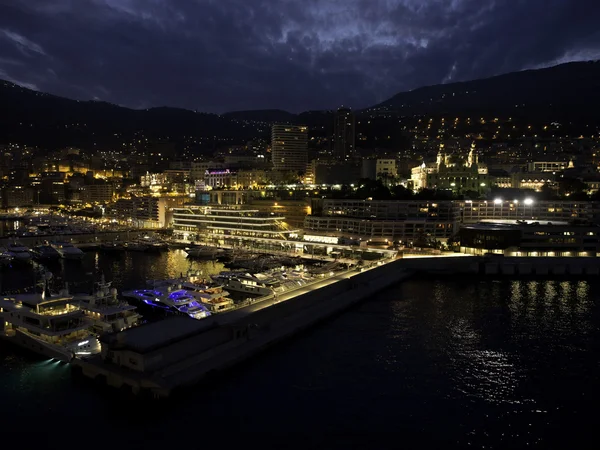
x=159 y=358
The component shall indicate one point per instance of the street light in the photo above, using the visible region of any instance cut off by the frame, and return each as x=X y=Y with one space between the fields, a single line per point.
x=529 y=201
x=497 y=201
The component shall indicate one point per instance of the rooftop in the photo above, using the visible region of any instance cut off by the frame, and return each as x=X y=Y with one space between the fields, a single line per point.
x=148 y=337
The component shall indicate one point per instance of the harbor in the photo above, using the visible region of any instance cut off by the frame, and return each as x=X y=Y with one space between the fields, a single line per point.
x=236 y=283
x=209 y=286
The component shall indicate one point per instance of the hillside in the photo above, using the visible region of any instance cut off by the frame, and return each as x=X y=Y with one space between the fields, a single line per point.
x=568 y=91
x=49 y=121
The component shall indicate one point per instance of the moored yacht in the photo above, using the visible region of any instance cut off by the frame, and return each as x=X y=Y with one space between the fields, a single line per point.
x=179 y=301
x=246 y=283
x=19 y=252
x=136 y=246
x=69 y=251
x=5 y=258
x=212 y=295
x=51 y=325
x=46 y=253
x=154 y=244
x=106 y=312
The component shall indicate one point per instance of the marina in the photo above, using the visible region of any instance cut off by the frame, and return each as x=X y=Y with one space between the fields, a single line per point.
x=232 y=285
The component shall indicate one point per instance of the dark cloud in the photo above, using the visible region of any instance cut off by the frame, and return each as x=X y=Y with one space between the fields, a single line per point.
x=220 y=55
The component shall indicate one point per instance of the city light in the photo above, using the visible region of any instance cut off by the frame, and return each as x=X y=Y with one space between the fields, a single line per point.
x=497 y=201
x=529 y=201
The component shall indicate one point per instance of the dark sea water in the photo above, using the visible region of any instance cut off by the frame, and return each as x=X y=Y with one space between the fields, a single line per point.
x=441 y=363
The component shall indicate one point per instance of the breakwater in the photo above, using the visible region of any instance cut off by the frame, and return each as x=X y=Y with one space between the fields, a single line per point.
x=185 y=357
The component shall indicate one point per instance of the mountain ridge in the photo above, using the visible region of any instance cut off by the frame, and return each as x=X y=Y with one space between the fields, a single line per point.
x=569 y=91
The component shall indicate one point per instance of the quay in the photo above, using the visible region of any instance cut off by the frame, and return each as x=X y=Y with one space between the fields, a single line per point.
x=159 y=358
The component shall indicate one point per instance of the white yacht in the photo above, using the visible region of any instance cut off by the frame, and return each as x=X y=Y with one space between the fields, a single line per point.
x=213 y=296
x=244 y=282
x=179 y=301
x=106 y=312
x=53 y=326
x=69 y=251
x=19 y=252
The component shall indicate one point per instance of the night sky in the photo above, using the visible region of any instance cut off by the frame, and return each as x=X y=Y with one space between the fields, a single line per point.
x=224 y=55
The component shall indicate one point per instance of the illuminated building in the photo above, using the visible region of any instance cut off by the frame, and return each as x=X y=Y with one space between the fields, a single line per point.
x=530 y=239
x=219 y=177
x=529 y=209
x=97 y=193
x=289 y=147
x=386 y=168
x=449 y=174
x=227 y=225
x=13 y=196
x=549 y=166
x=344 y=134
x=394 y=220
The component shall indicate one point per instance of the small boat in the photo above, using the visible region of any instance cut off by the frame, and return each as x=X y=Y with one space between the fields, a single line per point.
x=19 y=252
x=202 y=252
x=69 y=251
x=136 y=246
x=112 y=247
x=154 y=244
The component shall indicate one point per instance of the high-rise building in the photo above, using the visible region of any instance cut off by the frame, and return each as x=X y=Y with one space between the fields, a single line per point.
x=289 y=147
x=343 y=129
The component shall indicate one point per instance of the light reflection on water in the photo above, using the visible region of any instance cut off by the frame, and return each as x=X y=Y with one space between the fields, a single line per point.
x=127 y=270
x=494 y=364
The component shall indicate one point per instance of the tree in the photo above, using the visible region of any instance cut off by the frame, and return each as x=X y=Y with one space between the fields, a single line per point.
x=571 y=186
x=401 y=193
x=547 y=193
x=374 y=189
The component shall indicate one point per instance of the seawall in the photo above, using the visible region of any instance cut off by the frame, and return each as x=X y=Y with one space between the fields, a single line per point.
x=505 y=266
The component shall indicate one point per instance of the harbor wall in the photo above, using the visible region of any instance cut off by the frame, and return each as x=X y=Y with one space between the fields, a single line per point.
x=505 y=266
x=271 y=325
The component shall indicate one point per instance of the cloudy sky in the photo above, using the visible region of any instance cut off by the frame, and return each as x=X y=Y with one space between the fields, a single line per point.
x=224 y=55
